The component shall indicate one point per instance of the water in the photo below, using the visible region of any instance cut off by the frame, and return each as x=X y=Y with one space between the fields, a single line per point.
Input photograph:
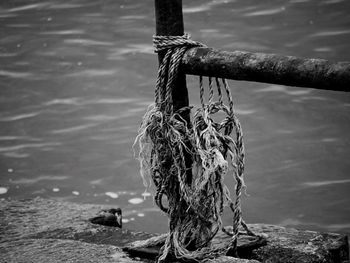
x=77 y=76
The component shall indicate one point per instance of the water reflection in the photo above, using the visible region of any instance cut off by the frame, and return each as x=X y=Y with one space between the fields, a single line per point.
x=112 y=195
x=19 y=117
x=206 y=6
x=28 y=145
x=3 y=190
x=16 y=155
x=328 y=2
x=330 y=139
x=132 y=17
x=87 y=42
x=135 y=201
x=326 y=183
x=266 y=12
x=39 y=178
x=28 y=7
x=16 y=75
x=91 y=73
x=64 y=5
x=64 y=32
x=196 y=9
x=298 y=1
x=79 y=101
x=289 y=91
x=74 y=128
x=7 y=15
x=323 y=49
x=330 y=33
x=66 y=101
x=99 y=118
x=7 y=55
x=119 y=53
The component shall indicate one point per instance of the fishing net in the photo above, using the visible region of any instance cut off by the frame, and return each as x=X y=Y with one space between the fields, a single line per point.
x=187 y=161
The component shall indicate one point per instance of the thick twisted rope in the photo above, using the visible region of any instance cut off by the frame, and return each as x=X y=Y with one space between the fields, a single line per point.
x=169 y=42
x=175 y=47
x=164 y=138
x=237 y=157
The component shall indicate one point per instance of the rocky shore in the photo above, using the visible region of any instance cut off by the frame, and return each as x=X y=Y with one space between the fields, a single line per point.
x=42 y=230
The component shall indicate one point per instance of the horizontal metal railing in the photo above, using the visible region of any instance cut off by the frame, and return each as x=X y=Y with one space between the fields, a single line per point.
x=268 y=68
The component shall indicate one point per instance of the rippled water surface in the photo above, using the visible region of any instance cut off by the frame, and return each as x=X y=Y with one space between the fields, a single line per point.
x=76 y=77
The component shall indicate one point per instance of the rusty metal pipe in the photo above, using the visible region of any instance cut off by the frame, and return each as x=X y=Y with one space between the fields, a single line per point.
x=268 y=68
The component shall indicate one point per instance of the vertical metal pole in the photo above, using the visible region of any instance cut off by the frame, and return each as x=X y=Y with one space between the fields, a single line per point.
x=169 y=22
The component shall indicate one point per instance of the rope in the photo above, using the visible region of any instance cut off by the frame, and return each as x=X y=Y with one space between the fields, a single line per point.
x=166 y=141
x=175 y=47
x=161 y=43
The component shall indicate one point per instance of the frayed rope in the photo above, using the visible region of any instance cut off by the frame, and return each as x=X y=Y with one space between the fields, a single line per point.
x=195 y=193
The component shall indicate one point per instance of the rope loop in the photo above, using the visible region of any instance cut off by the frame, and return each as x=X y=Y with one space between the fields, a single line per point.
x=161 y=43
x=175 y=47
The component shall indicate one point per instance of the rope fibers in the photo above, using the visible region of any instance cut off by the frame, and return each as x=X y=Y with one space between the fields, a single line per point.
x=196 y=193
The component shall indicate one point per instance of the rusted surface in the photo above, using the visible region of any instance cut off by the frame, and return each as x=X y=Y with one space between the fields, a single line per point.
x=268 y=68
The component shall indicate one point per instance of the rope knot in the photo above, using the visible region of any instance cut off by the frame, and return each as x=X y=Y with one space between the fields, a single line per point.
x=165 y=42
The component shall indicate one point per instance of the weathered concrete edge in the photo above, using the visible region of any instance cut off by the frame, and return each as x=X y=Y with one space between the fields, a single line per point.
x=39 y=229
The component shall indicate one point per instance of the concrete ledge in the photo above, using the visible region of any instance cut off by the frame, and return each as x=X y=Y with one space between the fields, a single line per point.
x=41 y=230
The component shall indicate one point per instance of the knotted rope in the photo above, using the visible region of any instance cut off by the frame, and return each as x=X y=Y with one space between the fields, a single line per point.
x=196 y=195
x=168 y=69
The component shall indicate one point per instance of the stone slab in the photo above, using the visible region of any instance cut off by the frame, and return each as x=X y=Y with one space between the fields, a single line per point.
x=42 y=230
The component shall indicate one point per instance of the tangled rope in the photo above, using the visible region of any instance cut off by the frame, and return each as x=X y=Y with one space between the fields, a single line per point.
x=195 y=189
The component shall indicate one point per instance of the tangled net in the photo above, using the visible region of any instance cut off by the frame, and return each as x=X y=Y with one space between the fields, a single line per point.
x=187 y=162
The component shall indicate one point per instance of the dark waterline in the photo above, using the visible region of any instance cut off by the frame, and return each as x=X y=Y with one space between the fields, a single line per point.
x=77 y=76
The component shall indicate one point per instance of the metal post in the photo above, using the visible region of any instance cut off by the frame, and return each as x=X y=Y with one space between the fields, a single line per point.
x=169 y=22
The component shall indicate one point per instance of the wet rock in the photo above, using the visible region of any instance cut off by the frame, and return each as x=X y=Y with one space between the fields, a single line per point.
x=290 y=245
x=57 y=250
x=150 y=248
x=225 y=259
x=108 y=217
x=41 y=230
x=277 y=244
